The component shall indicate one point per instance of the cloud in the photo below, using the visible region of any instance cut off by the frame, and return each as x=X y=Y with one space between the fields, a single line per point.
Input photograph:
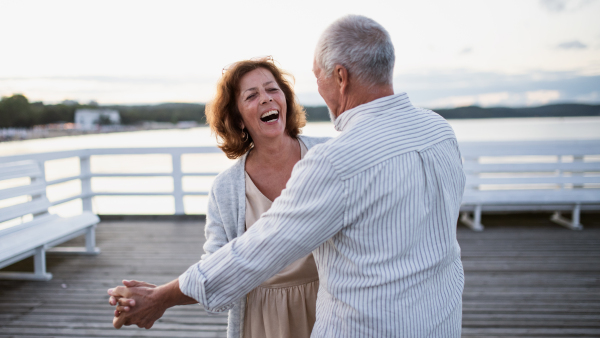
x=459 y=88
x=541 y=97
x=482 y=100
x=111 y=89
x=574 y=44
x=558 y=6
x=131 y=80
x=467 y=50
x=432 y=89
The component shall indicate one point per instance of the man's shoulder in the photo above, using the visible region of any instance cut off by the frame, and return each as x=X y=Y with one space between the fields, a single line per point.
x=377 y=138
x=311 y=141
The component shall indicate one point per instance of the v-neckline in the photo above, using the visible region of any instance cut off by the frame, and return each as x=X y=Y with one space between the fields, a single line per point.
x=303 y=151
x=251 y=182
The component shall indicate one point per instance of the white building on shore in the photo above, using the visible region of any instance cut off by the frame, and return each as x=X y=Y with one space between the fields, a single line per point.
x=90 y=119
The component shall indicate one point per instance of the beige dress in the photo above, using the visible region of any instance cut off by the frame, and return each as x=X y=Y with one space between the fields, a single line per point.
x=284 y=306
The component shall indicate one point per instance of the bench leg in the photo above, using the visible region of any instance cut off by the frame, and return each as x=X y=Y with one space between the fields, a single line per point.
x=572 y=224
x=39 y=269
x=475 y=223
x=89 y=249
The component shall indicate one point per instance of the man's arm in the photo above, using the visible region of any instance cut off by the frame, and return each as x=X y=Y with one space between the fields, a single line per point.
x=308 y=212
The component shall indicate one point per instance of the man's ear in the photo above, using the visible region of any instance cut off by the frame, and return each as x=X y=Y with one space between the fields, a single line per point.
x=341 y=78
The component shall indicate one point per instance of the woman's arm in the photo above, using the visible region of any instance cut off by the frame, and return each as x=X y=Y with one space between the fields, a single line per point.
x=216 y=237
x=214 y=230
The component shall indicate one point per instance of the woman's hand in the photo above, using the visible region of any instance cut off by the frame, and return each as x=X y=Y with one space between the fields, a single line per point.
x=125 y=304
x=146 y=302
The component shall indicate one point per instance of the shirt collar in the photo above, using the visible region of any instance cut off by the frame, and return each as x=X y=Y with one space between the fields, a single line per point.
x=375 y=106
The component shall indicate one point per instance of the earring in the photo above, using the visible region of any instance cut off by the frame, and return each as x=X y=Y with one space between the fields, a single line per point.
x=244 y=136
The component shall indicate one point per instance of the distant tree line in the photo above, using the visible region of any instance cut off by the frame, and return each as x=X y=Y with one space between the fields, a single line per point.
x=17 y=112
x=166 y=112
x=320 y=113
x=553 y=110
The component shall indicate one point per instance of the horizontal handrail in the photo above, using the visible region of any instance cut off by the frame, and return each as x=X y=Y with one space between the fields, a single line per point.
x=56 y=155
x=86 y=174
x=79 y=177
x=471 y=151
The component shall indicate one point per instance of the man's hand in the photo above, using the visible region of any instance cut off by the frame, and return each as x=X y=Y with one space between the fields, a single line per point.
x=138 y=304
x=142 y=303
x=125 y=304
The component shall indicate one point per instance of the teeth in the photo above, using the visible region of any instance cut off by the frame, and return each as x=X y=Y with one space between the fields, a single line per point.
x=269 y=113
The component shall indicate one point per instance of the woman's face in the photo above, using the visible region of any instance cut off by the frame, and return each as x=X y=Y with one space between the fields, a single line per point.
x=262 y=105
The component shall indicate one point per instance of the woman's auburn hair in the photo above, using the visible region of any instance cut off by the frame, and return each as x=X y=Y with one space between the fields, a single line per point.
x=224 y=118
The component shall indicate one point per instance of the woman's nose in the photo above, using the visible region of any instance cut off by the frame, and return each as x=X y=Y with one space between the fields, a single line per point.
x=265 y=98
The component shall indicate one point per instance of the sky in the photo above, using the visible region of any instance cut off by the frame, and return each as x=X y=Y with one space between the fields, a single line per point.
x=448 y=53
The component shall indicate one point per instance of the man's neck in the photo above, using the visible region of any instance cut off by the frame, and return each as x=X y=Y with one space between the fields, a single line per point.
x=361 y=95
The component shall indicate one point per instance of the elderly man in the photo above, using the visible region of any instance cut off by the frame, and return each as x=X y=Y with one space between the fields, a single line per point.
x=377 y=206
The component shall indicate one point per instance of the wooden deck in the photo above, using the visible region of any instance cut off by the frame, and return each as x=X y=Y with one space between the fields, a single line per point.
x=525 y=277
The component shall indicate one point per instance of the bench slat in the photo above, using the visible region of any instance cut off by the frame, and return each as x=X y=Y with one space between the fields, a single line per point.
x=529 y=207
x=36 y=188
x=471 y=167
x=579 y=180
x=25 y=240
x=45 y=218
x=530 y=148
x=565 y=196
x=19 y=169
x=38 y=205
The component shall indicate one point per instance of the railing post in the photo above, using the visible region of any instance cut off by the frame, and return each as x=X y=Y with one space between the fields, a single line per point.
x=86 y=182
x=177 y=184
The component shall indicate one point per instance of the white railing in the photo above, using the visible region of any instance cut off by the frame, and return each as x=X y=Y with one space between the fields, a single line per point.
x=86 y=174
x=471 y=151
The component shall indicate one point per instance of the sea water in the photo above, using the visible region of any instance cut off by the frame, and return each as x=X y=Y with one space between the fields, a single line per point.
x=513 y=129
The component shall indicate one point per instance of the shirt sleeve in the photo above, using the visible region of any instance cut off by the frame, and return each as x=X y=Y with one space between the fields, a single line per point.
x=309 y=212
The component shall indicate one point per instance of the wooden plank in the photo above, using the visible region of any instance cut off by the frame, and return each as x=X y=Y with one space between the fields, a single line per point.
x=154 y=245
x=524 y=277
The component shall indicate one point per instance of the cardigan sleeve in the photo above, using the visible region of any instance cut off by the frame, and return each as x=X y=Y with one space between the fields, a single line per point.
x=308 y=212
x=214 y=230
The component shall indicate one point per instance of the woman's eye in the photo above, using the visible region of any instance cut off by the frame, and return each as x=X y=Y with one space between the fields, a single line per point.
x=250 y=96
x=273 y=89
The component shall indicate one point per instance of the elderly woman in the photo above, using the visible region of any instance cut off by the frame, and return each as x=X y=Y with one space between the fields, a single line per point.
x=257 y=120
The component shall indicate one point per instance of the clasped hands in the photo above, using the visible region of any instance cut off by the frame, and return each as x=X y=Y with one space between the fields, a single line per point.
x=142 y=303
x=136 y=303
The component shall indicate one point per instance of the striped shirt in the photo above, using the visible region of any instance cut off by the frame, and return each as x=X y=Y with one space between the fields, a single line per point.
x=378 y=207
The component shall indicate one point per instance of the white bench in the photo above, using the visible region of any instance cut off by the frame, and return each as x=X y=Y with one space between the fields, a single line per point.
x=531 y=176
x=35 y=231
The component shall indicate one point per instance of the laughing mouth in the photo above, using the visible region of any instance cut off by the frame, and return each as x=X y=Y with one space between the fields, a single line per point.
x=270 y=116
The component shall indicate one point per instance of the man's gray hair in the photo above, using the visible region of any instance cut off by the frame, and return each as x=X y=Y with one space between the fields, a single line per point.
x=359 y=44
